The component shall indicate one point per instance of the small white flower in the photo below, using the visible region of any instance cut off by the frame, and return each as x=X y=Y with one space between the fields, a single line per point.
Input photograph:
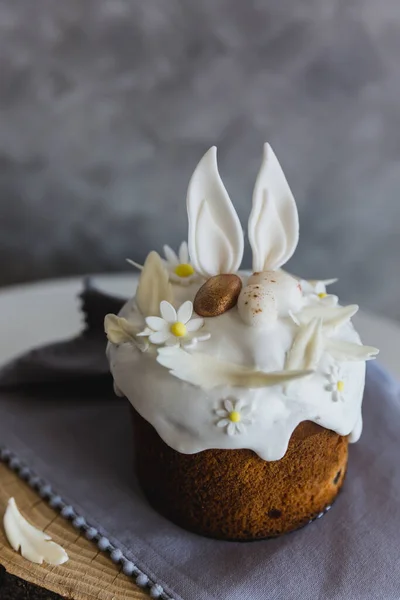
x=175 y=328
x=234 y=416
x=336 y=384
x=316 y=292
x=179 y=267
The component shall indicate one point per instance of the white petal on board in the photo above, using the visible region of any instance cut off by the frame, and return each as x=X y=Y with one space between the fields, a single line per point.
x=209 y=372
x=307 y=347
x=215 y=233
x=119 y=330
x=274 y=221
x=348 y=351
x=332 y=316
x=153 y=286
x=35 y=545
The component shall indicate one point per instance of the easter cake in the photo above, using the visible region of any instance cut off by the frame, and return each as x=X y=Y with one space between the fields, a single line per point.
x=245 y=388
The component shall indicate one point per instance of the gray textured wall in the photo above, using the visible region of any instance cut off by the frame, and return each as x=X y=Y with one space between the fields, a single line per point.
x=107 y=105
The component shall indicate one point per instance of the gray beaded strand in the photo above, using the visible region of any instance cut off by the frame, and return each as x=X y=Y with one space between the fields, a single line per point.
x=68 y=512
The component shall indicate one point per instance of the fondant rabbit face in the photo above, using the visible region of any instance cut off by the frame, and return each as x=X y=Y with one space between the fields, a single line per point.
x=216 y=237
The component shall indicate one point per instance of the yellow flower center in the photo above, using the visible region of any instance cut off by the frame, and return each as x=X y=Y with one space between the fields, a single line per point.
x=178 y=329
x=340 y=386
x=234 y=416
x=184 y=270
x=322 y=295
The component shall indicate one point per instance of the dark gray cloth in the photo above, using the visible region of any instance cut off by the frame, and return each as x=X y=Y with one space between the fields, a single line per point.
x=80 y=360
x=82 y=444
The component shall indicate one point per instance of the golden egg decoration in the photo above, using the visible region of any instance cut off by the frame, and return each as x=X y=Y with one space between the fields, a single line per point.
x=219 y=294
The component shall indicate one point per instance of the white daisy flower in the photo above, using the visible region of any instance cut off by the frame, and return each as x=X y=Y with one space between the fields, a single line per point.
x=336 y=384
x=234 y=416
x=179 y=267
x=316 y=291
x=175 y=328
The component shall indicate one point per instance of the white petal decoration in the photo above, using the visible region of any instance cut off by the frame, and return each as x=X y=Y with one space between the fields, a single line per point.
x=231 y=428
x=156 y=323
x=36 y=546
x=195 y=324
x=215 y=234
x=307 y=347
x=159 y=337
x=332 y=316
x=274 y=222
x=168 y=312
x=185 y=311
x=119 y=330
x=319 y=285
x=208 y=372
x=220 y=412
x=171 y=256
x=348 y=351
x=228 y=405
x=183 y=253
x=153 y=286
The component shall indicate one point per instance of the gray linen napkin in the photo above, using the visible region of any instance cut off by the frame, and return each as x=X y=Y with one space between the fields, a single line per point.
x=82 y=447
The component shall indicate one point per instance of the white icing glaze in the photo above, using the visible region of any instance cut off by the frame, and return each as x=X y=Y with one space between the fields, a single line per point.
x=184 y=414
x=274 y=222
x=215 y=232
x=355 y=433
x=234 y=392
x=36 y=546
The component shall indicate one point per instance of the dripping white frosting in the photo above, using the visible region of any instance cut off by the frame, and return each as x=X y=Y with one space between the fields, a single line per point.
x=185 y=415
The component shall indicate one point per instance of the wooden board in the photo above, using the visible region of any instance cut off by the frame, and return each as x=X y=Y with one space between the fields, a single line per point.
x=88 y=575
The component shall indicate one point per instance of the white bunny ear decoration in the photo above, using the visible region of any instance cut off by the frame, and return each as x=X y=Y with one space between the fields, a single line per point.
x=215 y=233
x=273 y=222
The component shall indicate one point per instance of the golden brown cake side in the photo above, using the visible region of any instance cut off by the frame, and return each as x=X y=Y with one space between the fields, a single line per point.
x=234 y=494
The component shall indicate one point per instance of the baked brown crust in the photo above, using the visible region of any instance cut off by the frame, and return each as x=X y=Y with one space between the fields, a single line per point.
x=236 y=495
